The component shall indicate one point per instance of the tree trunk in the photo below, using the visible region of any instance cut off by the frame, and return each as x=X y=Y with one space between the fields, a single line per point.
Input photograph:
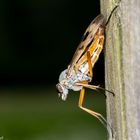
x=122 y=67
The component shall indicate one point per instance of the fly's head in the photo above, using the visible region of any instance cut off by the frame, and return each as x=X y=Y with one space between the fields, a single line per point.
x=62 y=91
x=61 y=86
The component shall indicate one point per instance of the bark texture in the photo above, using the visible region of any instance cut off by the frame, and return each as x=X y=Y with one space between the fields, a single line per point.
x=122 y=67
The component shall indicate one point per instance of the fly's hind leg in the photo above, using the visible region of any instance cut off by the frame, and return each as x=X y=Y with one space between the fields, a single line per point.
x=93 y=113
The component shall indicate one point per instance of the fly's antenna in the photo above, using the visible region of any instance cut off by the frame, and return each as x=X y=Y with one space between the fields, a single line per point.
x=108 y=19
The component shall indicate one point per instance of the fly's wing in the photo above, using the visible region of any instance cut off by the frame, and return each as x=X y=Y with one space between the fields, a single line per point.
x=86 y=40
x=90 y=56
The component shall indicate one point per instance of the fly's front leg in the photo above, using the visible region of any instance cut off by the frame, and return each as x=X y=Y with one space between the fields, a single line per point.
x=86 y=85
x=95 y=114
x=81 y=99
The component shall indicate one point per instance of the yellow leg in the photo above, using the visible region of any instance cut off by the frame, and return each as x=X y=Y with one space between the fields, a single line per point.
x=89 y=63
x=95 y=114
x=81 y=99
x=99 y=48
x=86 y=85
x=91 y=49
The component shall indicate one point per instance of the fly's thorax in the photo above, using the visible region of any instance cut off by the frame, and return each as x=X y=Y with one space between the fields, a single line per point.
x=69 y=83
x=63 y=75
x=83 y=77
x=76 y=76
x=66 y=83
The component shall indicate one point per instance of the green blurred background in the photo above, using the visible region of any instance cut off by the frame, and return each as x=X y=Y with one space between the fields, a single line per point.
x=37 y=41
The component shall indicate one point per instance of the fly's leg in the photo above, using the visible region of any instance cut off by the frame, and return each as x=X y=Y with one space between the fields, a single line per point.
x=95 y=114
x=88 y=57
x=98 y=49
x=86 y=85
x=89 y=63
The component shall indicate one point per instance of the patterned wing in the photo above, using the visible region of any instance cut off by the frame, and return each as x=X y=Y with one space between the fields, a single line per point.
x=92 y=53
x=87 y=40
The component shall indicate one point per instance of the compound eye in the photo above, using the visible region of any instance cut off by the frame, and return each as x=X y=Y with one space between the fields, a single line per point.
x=59 y=88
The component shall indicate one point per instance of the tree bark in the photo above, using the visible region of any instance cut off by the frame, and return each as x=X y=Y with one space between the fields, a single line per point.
x=122 y=67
